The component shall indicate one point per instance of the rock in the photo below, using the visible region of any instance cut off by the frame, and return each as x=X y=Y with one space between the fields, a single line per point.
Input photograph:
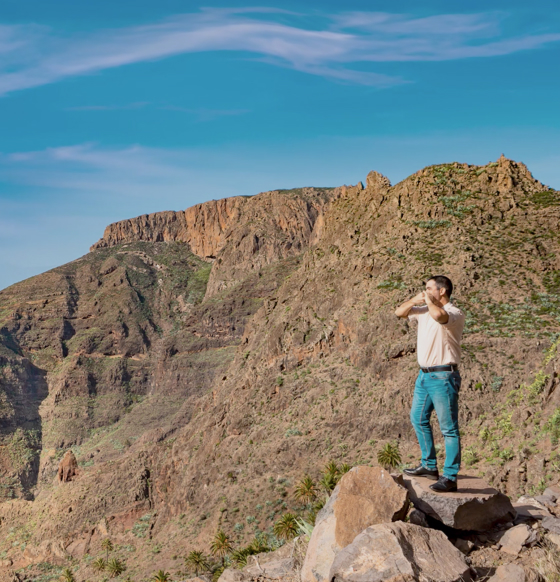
x=552 y=492
x=464 y=546
x=513 y=540
x=5 y=563
x=475 y=506
x=364 y=496
x=533 y=501
x=400 y=552
x=417 y=517
x=527 y=512
x=554 y=538
x=551 y=524
x=233 y=575
x=67 y=468
x=199 y=579
x=546 y=499
x=509 y=573
x=271 y=565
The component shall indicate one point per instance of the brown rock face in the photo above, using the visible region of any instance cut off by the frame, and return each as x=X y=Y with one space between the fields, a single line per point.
x=195 y=392
x=241 y=234
x=364 y=496
x=67 y=468
x=400 y=552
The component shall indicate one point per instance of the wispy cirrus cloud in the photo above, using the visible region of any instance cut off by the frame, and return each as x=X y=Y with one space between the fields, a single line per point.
x=33 y=55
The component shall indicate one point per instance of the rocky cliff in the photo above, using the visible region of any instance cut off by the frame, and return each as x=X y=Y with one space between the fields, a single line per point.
x=199 y=363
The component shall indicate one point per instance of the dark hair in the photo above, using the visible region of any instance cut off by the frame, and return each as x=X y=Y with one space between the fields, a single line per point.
x=443 y=281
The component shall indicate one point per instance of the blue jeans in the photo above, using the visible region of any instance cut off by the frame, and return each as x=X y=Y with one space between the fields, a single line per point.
x=439 y=390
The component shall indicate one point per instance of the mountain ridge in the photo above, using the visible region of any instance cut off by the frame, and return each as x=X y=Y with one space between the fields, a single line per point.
x=192 y=387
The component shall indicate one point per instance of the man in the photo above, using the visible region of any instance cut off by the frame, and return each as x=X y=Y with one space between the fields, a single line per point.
x=440 y=327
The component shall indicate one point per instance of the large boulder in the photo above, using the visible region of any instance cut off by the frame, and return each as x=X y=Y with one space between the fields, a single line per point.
x=364 y=496
x=400 y=552
x=475 y=506
x=67 y=468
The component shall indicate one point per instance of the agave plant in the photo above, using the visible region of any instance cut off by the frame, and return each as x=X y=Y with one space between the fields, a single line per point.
x=221 y=545
x=306 y=490
x=99 y=565
x=115 y=567
x=286 y=527
x=67 y=576
x=107 y=545
x=389 y=456
x=305 y=528
x=196 y=561
x=161 y=576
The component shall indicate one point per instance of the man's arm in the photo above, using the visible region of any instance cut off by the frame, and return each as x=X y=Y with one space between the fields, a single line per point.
x=436 y=309
x=404 y=309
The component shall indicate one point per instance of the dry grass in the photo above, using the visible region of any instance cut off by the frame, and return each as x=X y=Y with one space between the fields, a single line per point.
x=549 y=565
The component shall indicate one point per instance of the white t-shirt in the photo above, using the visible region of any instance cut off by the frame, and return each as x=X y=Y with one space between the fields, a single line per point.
x=438 y=343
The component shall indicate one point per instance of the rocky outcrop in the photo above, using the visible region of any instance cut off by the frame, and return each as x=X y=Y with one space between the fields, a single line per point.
x=67 y=468
x=400 y=552
x=475 y=506
x=241 y=234
x=364 y=496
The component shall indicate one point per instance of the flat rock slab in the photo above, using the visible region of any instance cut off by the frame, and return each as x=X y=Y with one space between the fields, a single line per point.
x=528 y=512
x=475 y=506
x=509 y=573
x=364 y=496
x=514 y=539
x=551 y=524
x=400 y=552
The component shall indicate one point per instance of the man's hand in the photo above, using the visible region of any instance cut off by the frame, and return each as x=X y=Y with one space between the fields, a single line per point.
x=402 y=310
x=419 y=299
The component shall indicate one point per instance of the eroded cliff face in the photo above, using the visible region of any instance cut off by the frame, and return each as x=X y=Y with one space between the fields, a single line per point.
x=195 y=394
x=241 y=234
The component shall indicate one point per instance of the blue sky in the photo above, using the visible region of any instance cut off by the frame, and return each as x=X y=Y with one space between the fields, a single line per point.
x=110 y=110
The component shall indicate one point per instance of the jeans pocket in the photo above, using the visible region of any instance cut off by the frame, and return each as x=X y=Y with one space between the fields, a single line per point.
x=440 y=375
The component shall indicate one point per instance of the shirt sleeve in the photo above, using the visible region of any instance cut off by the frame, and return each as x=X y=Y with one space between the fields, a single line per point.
x=454 y=318
x=416 y=311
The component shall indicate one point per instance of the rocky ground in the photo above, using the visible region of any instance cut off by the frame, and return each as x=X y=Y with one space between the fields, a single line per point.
x=198 y=364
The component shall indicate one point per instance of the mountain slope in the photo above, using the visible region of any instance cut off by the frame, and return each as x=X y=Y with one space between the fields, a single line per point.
x=193 y=405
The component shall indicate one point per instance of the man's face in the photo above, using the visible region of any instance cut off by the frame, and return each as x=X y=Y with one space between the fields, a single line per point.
x=433 y=291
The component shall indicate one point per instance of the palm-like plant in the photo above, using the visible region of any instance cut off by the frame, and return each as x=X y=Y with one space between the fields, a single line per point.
x=67 y=576
x=99 y=565
x=240 y=556
x=107 y=545
x=161 y=576
x=221 y=545
x=196 y=561
x=344 y=468
x=115 y=567
x=389 y=456
x=259 y=545
x=286 y=527
x=331 y=475
x=218 y=572
x=306 y=490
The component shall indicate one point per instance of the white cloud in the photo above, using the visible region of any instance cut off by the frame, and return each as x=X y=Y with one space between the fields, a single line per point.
x=31 y=56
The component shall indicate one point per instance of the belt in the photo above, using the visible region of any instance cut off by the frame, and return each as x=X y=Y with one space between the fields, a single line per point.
x=446 y=368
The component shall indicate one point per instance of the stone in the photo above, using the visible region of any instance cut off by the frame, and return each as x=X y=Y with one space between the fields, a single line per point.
x=364 y=496
x=464 y=546
x=509 y=573
x=551 y=524
x=514 y=539
x=400 y=552
x=233 y=575
x=475 y=506
x=528 y=512
x=554 y=538
x=418 y=517
x=271 y=565
x=546 y=499
x=67 y=468
x=552 y=492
